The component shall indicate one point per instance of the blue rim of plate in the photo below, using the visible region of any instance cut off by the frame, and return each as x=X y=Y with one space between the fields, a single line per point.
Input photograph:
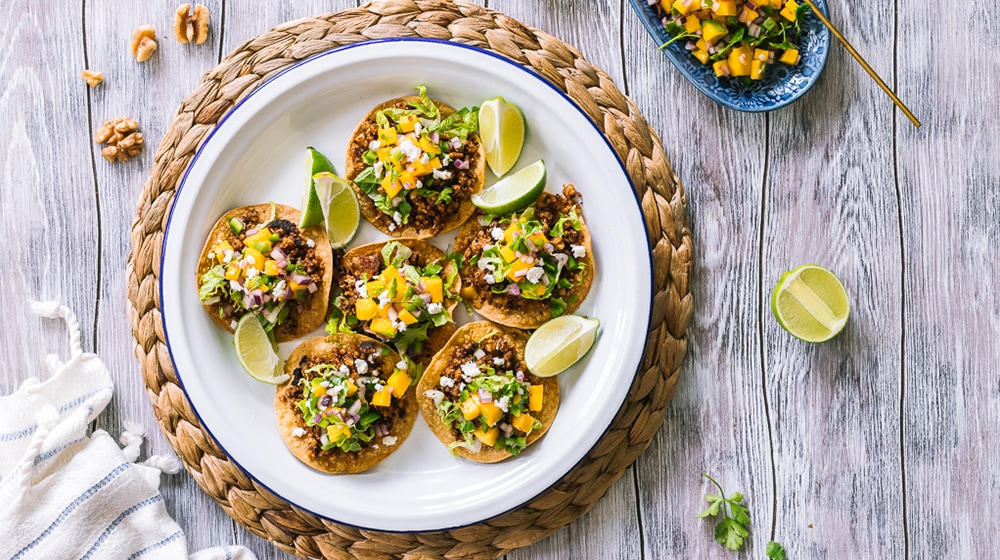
x=774 y=91
x=166 y=235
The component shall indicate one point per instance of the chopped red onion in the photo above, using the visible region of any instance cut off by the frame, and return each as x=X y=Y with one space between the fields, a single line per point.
x=325 y=401
x=461 y=164
x=690 y=46
x=455 y=143
x=514 y=289
x=278 y=255
x=252 y=231
x=355 y=418
x=421 y=287
x=506 y=428
x=301 y=279
x=426 y=297
x=396 y=201
x=519 y=375
x=312 y=287
x=485 y=396
x=435 y=137
x=355 y=408
x=317 y=418
x=393 y=314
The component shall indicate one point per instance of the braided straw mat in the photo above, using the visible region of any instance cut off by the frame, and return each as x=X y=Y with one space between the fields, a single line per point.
x=662 y=200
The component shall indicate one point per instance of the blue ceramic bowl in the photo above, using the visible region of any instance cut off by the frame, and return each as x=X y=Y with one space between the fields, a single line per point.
x=781 y=84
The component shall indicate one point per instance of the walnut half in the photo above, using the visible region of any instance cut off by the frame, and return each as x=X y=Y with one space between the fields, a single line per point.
x=143 y=43
x=122 y=137
x=93 y=77
x=191 y=26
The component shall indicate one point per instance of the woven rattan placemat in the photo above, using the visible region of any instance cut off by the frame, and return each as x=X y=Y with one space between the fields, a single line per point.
x=662 y=200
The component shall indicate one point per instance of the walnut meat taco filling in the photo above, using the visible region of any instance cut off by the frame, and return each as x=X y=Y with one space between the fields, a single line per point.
x=401 y=292
x=523 y=268
x=348 y=404
x=257 y=260
x=416 y=162
x=479 y=397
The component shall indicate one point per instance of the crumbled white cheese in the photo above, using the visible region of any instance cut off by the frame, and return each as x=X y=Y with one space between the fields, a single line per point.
x=298 y=432
x=389 y=440
x=398 y=218
x=441 y=174
x=361 y=366
x=498 y=361
x=344 y=369
x=496 y=233
x=252 y=272
x=310 y=243
x=447 y=382
x=401 y=364
x=361 y=288
x=461 y=386
x=383 y=299
x=469 y=370
x=400 y=326
x=417 y=127
x=502 y=403
x=211 y=256
x=434 y=308
x=250 y=260
x=374 y=145
x=535 y=274
x=227 y=256
x=420 y=184
x=479 y=354
x=410 y=150
x=445 y=160
x=579 y=251
x=378 y=387
x=392 y=227
x=425 y=158
x=490 y=279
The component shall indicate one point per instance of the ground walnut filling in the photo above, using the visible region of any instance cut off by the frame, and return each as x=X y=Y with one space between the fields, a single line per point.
x=535 y=254
x=349 y=398
x=260 y=266
x=419 y=166
x=486 y=396
x=397 y=296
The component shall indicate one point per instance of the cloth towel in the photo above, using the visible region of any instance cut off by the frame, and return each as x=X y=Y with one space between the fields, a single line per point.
x=64 y=494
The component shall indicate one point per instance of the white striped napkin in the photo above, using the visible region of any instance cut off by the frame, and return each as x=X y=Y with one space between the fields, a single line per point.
x=66 y=495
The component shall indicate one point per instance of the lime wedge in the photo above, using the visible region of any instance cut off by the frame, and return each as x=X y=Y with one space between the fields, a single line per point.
x=343 y=213
x=513 y=192
x=255 y=352
x=560 y=343
x=810 y=303
x=501 y=130
x=314 y=203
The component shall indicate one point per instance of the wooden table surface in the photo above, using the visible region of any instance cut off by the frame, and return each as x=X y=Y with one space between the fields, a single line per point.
x=879 y=444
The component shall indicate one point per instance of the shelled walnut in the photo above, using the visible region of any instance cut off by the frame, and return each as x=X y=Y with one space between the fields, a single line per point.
x=93 y=77
x=122 y=137
x=143 y=43
x=191 y=26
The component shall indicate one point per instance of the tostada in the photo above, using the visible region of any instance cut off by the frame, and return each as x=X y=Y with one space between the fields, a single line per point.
x=402 y=292
x=257 y=260
x=523 y=268
x=348 y=404
x=415 y=162
x=478 y=397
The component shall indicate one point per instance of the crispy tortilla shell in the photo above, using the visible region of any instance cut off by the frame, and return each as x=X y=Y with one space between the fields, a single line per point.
x=314 y=310
x=305 y=449
x=474 y=332
x=354 y=166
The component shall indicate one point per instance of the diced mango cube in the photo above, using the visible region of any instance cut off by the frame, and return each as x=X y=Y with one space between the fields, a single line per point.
x=692 y=24
x=470 y=408
x=517 y=266
x=523 y=422
x=757 y=69
x=220 y=250
x=399 y=381
x=408 y=180
x=387 y=137
x=739 y=61
x=383 y=311
x=701 y=55
x=271 y=267
x=254 y=258
x=712 y=31
x=701 y=45
x=406 y=317
x=788 y=12
x=535 y=395
x=748 y=15
x=488 y=437
x=538 y=239
x=407 y=123
x=375 y=288
x=507 y=254
x=724 y=8
x=365 y=309
x=468 y=292
x=761 y=54
x=352 y=389
x=791 y=56
x=435 y=288
x=428 y=146
x=338 y=432
x=233 y=271
x=491 y=413
x=382 y=326
x=683 y=6
x=508 y=234
x=391 y=186
x=721 y=68
x=382 y=398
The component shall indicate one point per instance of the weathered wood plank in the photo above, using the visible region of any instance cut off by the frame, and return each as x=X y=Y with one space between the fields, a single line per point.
x=150 y=93
x=831 y=200
x=716 y=422
x=48 y=213
x=949 y=176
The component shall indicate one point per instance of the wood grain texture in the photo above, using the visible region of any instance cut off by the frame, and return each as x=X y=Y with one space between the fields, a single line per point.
x=48 y=215
x=716 y=423
x=830 y=199
x=949 y=177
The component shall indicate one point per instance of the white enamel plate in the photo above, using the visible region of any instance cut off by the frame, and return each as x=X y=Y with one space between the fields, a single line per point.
x=256 y=155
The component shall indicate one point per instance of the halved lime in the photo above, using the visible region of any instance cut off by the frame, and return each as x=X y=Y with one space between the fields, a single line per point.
x=810 y=303
x=343 y=213
x=560 y=343
x=513 y=192
x=255 y=352
x=501 y=130
x=314 y=203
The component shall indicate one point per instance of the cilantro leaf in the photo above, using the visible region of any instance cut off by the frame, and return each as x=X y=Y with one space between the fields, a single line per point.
x=775 y=551
x=732 y=531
